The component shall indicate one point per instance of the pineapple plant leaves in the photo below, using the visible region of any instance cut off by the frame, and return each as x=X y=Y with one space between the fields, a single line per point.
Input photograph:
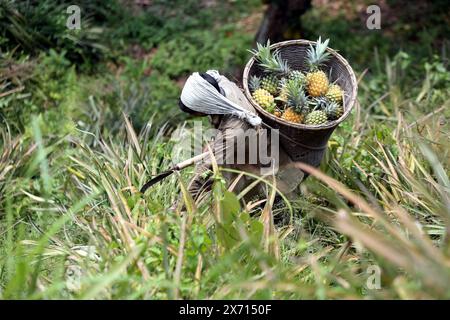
x=271 y=62
x=317 y=56
x=333 y=110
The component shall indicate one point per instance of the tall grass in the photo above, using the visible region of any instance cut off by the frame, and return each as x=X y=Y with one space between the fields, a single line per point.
x=372 y=222
x=74 y=225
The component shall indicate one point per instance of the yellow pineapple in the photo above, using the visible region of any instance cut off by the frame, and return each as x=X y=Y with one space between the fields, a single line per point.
x=264 y=99
x=316 y=79
x=292 y=116
x=317 y=83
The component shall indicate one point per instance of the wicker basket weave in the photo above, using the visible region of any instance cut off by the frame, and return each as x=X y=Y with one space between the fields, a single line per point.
x=302 y=142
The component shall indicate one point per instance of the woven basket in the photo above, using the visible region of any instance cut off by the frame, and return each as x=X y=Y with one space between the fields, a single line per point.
x=305 y=143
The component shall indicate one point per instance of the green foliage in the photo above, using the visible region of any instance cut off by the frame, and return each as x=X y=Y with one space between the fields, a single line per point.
x=414 y=29
x=220 y=49
x=231 y=220
x=50 y=88
x=81 y=130
x=37 y=25
x=161 y=22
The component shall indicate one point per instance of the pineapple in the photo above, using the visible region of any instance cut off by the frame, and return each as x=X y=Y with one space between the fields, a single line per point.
x=317 y=81
x=264 y=99
x=261 y=95
x=334 y=93
x=297 y=76
x=283 y=95
x=292 y=116
x=296 y=79
x=270 y=83
x=297 y=101
x=333 y=110
x=282 y=91
x=316 y=117
x=271 y=62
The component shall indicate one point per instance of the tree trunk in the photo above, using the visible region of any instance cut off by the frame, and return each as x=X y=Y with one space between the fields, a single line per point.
x=282 y=20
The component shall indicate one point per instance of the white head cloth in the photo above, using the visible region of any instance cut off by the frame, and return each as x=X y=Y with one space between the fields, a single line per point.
x=201 y=96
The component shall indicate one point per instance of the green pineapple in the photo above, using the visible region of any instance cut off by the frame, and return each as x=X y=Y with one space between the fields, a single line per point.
x=316 y=117
x=332 y=109
x=270 y=83
x=262 y=96
x=297 y=76
x=271 y=108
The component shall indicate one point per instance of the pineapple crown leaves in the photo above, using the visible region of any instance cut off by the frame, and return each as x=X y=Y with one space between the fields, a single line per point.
x=254 y=83
x=320 y=103
x=296 y=96
x=333 y=110
x=316 y=56
x=331 y=107
x=282 y=83
x=271 y=62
